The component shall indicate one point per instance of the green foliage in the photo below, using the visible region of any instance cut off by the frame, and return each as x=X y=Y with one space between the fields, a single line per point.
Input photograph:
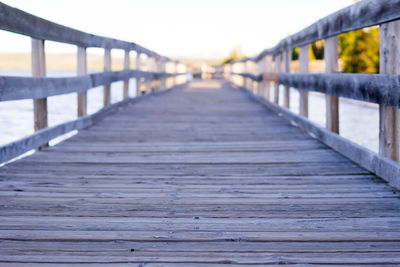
x=317 y=50
x=235 y=54
x=295 y=53
x=359 y=50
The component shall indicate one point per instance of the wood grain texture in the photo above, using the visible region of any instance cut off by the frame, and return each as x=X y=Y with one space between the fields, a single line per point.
x=107 y=68
x=389 y=58
x=16 y=88
x=331 y=54
x=127 y=64
x=81 y=71
x=278 y=69
x=304 y=58
x=201 y=175
x=287 y=59
x=39 y=70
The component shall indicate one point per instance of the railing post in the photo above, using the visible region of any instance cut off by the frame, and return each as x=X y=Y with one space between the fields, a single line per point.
x=278 y=68
x=389 y=64
x=331 y=55
x=82 y=70
x=267 y=84
x=107 y=67
x=303 y=68
x=163 y=70
x=149 y=69
x=287 y=58
x=260 y=84
x=138 y=67
x=127 y=64
x=39 y=70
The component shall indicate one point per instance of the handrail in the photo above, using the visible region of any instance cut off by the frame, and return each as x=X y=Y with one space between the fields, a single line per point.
x=17 y=88
x=373 y=88
x=382 y=89
x=360 y=15
x=39 y=87
x=18 y=21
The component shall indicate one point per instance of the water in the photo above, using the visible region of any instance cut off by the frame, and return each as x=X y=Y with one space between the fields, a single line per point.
x=16 y=117
x=359 y=121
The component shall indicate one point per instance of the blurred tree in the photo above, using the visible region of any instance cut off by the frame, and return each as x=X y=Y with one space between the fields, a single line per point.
x=359 y=50
x=316 y=51
x=295 y=53
x=235 y=54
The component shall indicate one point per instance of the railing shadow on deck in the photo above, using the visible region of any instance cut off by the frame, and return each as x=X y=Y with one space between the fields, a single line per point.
x=162 y=73
x=255 y=75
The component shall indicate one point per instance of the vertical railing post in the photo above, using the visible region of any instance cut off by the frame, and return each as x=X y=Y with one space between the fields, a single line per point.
x=138 y=67
x=80 y=71
x=278 y=68
x=39 y=70
x=389 y=64
x=267 y=84
x=148 y=69
x=163 y=71
x=303 y=68
x=127 y=66
x=107 y=67
x=260 y=70
x=287 y=58
x=175 y=77
x=331 y=55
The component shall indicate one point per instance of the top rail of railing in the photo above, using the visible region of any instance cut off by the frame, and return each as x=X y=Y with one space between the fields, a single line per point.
x=357 y=16
x=18 y=21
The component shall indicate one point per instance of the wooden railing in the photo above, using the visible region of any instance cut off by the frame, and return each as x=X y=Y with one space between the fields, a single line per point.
x=256 y=73
x=39 y=87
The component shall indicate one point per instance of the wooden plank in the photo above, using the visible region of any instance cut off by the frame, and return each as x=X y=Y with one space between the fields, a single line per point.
x=126 y=67
x=82 y=70
x=331 y=54
x=383 y=167
x=199 y=175
x=389 y=116
x=107 y=67
x=304 y=58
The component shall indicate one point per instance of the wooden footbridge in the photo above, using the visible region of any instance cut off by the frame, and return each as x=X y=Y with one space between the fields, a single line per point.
x=209 y=172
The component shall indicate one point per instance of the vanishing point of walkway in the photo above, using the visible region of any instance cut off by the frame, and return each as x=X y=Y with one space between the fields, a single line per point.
x=201 y=174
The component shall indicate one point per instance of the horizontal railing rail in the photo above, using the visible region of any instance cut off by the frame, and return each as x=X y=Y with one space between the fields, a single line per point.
x=274 y=65
x=373 y=88
x=160 y=73
x=17 y=88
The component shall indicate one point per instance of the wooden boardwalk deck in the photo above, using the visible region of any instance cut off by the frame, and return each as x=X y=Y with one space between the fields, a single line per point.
x=197 y=175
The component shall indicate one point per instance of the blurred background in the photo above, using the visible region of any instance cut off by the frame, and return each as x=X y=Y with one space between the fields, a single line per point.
x=198 y=33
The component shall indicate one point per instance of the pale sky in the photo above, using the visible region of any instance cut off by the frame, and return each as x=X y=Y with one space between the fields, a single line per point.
x=178 y=28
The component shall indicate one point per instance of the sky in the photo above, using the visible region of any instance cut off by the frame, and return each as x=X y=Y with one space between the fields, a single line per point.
x=178 y=28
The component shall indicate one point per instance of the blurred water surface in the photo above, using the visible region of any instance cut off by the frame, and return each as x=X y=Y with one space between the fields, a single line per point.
x=359 y=121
